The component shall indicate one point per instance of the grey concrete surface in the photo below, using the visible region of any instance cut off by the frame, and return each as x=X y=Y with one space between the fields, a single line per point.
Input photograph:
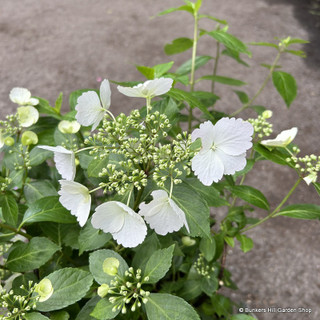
x=64 y=45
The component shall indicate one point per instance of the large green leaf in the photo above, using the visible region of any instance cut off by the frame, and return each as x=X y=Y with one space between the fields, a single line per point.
x=35 y=316
x=48 y=209
x=91 y=238
x=84 y=314
x=37 y=156
x=200 y=61
x=96 y=166
x=96 y=260
x=274 y=155
x=196 y=210
x=223 y=80
x=28 y=256
x=158 y=264
x=103 y=310
x=286 y=86
x=251 y=195
x=36 y=190
x=69 y=286
x=9 y=208
x=161 y=306
x=301 y=211
x=178 y=45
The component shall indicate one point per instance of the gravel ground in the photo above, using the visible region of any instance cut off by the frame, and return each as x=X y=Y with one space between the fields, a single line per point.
x=54 y=46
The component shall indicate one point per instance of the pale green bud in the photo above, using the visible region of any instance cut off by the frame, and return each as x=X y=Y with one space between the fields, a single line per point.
x=110 y=266
x=29 y=137
x=45 y=289
x=9 y=141
x=187 y=241
x=66 y=126
x=103 y=290
x=267 y=114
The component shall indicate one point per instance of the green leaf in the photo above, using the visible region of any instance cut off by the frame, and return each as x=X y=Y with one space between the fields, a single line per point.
x=9 y=208
x=84 y=314
x=223 y=80
x=60 y=315
x=298 y=53
x=246 y=244
x=103 y=310
x=44 y=107
x=243 y=97
x=96 y=166
x=222 y=305
x=91 y=238
x=35 y=316
x=178 y=45
x=69 y=286
x=158 y=264
x=251 y=195
x=275 y=155
x=285 y=85
x=38 y=156
x=161 y=306
x=161 y=69
x=195 y=208
x=317 y=187
x=264 y=44
x=58 y=103
x=36 y=190
x=28 y=256
x=229 y=241
x=96 y=260
x=208 y=248
x=191 y=289
x=301 y=211
x=200 y=61
x=242 y=317
x=57 y=232
x=16 y=179
x=187 y=8
x=206 y=98
x=234 y=55
x=48 y=209
x=229 y=41
x=146 y=71
x=297 y=40
x=75 y=95
x=224 y=22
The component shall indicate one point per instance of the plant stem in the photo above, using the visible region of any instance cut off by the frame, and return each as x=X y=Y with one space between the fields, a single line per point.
x=271 y=215
x=137 y=201
x=16 y=231
x=193 y=62
x=149 y=107
x=215 y=67
x=249 y=103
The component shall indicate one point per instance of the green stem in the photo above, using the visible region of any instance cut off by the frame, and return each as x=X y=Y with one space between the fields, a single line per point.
x=16 y=231
x=277 y=209
x=193 y=63
x=149 y=107
x=249 y=103
x=137 y=201
x=171 y=188
x=215 y=67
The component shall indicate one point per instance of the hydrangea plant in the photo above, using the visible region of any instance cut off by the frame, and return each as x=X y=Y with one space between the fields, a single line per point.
x=112 y=216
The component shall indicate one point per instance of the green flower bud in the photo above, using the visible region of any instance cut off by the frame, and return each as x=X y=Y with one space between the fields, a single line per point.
x=267 y=114
x=9 y=141
x=110 y=266
x=29 y=137
x=66 y=126
x=187 y=241
x=103 y=290
x=44 y=289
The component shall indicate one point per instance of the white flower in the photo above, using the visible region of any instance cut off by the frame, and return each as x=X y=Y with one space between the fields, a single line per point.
x=22 y=97
x=162 y=213
x=90 y=108
x=282 y=139
x=44 y=289
x=27 y=116
x=125 y=225
x=148 y=89
x=65 y=161
x=223 y=151
x=76 y=198
x=311 y=178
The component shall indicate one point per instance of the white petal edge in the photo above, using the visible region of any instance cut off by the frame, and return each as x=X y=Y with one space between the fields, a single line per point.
x=282 y=139
x=105 y=94
x=20 y=96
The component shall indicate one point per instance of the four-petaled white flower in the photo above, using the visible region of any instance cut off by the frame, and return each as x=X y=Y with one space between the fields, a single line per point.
x=76 y=198
x=148 y=89
x=22 y=96
x=282 y=139
x=162 y=213
x=223 y=150
x=65 y=161
x=125 y=225
x=27 y=116
x=311 y=178
x=91 y=108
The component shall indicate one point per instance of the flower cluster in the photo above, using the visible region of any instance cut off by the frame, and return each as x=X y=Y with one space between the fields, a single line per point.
x=202 y=267
x=262 y=127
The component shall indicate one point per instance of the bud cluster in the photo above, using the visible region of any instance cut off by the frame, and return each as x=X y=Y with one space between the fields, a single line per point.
x=4 y=183
x=202 y=267
x=262 y=127
x=16 y=306
x=10 y=126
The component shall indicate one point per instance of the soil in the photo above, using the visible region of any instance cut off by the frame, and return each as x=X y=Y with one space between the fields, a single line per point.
x=53 y=46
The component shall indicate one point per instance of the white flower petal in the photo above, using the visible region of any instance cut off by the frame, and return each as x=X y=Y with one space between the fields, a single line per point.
x=33 y=101
x=233 y=136
x=105 y=94
x=76 y=198
x=208 y=167
x=162 y=213
x=20 y=96
x=232 y=164
x=311 y=178
x=27 y=116
x=282 y=139
x=108 y=217
x=89 y=109
x=65 y=161
x=134 y=92
x=206 y=133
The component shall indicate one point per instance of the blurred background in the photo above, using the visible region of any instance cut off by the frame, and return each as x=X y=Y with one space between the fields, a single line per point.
x=61 y=46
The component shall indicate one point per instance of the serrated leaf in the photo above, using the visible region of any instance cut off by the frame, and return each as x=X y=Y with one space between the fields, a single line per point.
x=96 y=260
x=48 y=209
x=28 y=256
x=36 y=190
x=69 y=286
x=16 y=177
x=246 y=243
x=251 y=195
x=301 y=211
x=161 y=306
x=158 y=264
x=84 y=314
x=103 y=310
x=9 y=208
x=91 y=238
x=200 y=61
x=285 y=85
x=96 y=166
x=178 y=45
x=224 y=80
